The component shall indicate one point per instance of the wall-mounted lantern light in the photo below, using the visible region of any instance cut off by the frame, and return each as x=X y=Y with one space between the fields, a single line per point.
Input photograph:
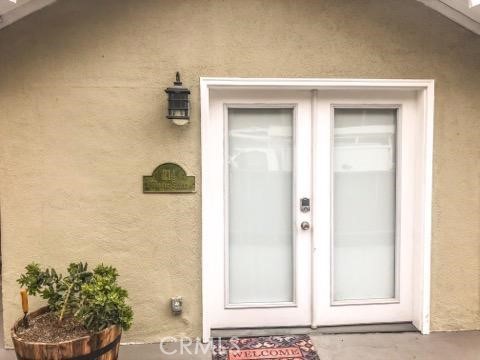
x=178 y=103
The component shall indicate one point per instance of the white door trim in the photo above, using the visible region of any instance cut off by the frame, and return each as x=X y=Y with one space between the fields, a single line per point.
x=210 y=180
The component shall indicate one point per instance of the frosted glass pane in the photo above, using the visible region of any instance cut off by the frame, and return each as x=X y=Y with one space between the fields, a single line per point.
x=260 y=205
x=364 y=203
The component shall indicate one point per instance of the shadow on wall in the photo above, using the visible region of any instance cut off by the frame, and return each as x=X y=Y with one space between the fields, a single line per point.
x=80 y=22
x=87 y=25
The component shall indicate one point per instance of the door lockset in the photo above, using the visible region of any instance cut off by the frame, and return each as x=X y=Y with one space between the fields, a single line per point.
x=305 y=225
x=304 y=205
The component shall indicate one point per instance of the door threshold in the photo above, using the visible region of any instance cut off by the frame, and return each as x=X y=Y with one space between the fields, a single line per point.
x=321 y=330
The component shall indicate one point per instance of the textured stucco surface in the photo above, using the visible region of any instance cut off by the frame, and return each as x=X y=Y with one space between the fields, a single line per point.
x=82 y=119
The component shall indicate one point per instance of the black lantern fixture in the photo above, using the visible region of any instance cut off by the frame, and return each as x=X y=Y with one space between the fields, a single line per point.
x=178 y=103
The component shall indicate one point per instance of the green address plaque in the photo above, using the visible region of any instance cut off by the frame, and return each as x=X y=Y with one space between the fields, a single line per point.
x=169 y=178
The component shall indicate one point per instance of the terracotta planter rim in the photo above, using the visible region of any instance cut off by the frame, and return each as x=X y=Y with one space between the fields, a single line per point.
x=44 y=310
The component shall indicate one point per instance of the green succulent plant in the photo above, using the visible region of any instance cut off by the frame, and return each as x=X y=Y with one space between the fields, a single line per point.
x=92 y=297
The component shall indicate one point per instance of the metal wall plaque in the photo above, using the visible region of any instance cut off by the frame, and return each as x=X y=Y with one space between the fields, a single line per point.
x=169 y=178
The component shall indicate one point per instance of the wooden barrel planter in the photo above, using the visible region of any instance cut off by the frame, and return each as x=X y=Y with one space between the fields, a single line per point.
x=103 y=345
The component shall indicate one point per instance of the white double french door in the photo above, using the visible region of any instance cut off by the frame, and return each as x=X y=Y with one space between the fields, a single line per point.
x=312 y=222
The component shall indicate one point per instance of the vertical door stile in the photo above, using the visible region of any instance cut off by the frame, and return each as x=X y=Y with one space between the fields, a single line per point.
x=313 y=287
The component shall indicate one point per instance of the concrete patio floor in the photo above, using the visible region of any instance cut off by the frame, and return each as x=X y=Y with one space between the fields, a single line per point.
x=389 y=346
x=386 y=346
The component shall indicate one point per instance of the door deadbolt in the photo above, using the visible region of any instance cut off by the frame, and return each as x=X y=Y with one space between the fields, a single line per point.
x=304 y=205
x=305 y=225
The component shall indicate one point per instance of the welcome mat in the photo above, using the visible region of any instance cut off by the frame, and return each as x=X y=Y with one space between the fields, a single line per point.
x=293 y=347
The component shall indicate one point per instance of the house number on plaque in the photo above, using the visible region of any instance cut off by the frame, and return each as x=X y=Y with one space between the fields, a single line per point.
x=169 y=178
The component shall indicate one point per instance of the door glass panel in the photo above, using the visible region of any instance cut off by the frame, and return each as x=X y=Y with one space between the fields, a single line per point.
x=364 y=204
x=260 y=170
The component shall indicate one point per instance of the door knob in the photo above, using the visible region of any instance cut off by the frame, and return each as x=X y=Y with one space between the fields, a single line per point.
x=305 y=225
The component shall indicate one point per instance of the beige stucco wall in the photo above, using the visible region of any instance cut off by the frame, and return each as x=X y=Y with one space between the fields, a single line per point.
x=82 y=119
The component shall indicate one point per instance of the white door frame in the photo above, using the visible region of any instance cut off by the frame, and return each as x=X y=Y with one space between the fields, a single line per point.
x=210 y=179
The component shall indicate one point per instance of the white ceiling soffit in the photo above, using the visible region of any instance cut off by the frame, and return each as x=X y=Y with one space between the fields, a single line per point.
x=464 y=12
x=11 y=11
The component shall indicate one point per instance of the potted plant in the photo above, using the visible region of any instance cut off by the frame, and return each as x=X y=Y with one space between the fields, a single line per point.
x=84 y=319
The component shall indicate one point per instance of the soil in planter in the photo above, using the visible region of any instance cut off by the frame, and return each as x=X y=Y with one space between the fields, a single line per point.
x=46 y=328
